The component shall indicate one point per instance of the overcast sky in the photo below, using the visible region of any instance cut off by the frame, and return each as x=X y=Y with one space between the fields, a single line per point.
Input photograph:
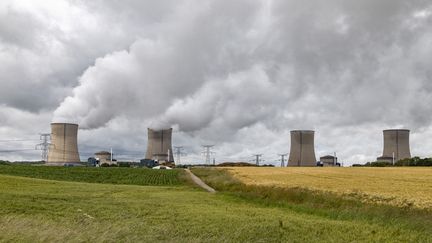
x=238 y=74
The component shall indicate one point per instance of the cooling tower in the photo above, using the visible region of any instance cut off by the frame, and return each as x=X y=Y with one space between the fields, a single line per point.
x=302 y=149
x=64 y=145
x=396 y=141
x=159 y=146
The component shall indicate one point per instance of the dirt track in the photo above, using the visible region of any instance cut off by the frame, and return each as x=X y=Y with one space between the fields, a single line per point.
x=199 y=182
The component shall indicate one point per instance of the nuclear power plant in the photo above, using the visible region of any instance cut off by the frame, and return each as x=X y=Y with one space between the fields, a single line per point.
x=63 y=148
x=64 y=144
x=159 y=146
x=396 y=145
x=302 y=148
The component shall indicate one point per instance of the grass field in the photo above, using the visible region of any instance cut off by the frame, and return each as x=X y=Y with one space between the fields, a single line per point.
x=401 y=186
x=131 y=176
x=38 y=210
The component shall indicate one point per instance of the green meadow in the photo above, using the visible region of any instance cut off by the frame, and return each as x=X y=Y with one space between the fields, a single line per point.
x=66 y=207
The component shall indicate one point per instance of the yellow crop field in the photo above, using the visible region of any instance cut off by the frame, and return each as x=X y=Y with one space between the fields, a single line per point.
x=401 y=186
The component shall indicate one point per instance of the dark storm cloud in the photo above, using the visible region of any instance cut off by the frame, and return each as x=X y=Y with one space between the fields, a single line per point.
x=227 y=72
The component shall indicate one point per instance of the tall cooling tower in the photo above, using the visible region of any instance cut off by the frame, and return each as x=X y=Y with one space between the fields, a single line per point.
x=64 y=144
x=159 y=145
x=396 y=141
x=302 y=149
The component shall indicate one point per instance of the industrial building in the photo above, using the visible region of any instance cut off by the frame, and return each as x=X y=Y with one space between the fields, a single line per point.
x=302 y=148
x=64 y=144
x=159 y=146
x=329 y=160
x=105 y=157
x=396 y=145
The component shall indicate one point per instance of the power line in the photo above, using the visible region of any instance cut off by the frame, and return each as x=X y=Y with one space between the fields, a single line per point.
x=18 y=140
x=207 y=153
x=15 y=150
x=258 y=159
x=282 y=160
x=44 y=146
x=179 y=153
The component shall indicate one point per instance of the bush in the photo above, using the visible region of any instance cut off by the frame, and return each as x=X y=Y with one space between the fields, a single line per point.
x=415 y=161
x=4 y=162
x=376 y=164
x=380 y=164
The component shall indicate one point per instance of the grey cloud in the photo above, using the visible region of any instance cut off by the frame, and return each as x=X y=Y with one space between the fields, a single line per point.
x=237 y=73
x=43 y=54
x=19 y=29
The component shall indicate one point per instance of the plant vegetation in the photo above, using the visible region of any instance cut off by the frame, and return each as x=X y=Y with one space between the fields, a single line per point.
x=397 y=186
x=415 y=161
x=131 y=176
x=318 y=202
x=4 y=162
x=34 y=210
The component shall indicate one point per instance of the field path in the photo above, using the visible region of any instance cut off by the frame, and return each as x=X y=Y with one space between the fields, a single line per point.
x=199 y=182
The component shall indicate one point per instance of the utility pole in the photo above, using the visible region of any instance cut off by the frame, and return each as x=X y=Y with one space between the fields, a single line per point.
x=258 y=158
x=283 y=159
x=207 y=153
x=44 y=146
x=178 y=153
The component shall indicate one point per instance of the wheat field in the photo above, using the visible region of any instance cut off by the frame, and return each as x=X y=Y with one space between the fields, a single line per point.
x=400 y=186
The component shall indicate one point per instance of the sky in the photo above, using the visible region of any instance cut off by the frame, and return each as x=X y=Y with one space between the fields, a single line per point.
x=237 y=74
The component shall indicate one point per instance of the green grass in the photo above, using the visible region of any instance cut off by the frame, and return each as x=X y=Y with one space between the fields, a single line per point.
x=34 y=210
x=110 y=175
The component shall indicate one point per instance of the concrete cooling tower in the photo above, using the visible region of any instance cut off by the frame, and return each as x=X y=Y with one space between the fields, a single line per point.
x=302 y=149
x=64 y=144
x=159 y=146
x=396 y=142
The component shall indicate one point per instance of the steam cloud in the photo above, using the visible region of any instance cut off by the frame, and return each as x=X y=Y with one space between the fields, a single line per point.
x=232 y=71
x=233 y=64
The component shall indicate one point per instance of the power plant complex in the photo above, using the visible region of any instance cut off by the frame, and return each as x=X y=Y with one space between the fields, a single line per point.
x=63 y=148
x=396 y=145
x=302 y=151
x=64 y=144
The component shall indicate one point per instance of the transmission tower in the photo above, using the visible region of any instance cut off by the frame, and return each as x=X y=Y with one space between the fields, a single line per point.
x=178 y=152
x=207 y=153
x=258 y=159
x=282 y=160
x=45 y=145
